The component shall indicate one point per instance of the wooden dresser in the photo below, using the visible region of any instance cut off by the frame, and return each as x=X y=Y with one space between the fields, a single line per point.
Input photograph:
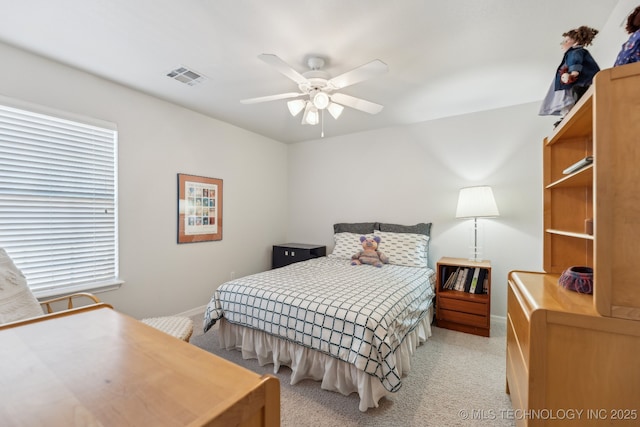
x=579 y=352
x=562 y=355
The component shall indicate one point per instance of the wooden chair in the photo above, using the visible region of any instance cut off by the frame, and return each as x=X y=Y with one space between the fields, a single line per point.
x=18 y=304
x=47 y=305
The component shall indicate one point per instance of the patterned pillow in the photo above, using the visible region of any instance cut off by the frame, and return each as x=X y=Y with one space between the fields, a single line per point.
x=16 y=300
x=347 y=244
x=404 y=248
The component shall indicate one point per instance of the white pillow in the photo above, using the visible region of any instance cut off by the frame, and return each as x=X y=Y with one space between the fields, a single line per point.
x=347 y=244
x=16 y=300
x=406 y=249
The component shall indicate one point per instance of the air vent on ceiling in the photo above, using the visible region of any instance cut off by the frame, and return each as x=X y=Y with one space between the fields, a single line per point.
x=186 y=76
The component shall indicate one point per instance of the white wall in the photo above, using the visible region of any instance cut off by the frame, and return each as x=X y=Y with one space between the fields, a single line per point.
x=612 y=35
x=404 y=174
x=412 y=174
x=158 y=140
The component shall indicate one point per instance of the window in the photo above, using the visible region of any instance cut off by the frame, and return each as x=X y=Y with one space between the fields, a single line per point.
x=58 y=200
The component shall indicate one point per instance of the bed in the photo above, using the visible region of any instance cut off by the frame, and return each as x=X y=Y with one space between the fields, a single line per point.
x=354 y=328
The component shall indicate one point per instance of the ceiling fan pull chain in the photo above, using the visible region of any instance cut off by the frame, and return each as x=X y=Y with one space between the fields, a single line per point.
x=322 y=123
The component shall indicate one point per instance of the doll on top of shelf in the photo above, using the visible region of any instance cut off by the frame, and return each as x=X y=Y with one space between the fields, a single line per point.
x=630 y=51
x=574 y=74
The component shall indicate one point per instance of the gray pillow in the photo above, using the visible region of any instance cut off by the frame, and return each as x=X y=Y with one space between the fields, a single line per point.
x=355 y=227
x=421 y=228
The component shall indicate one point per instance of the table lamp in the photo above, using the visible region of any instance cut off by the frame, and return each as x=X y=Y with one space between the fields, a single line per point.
x=476 y=202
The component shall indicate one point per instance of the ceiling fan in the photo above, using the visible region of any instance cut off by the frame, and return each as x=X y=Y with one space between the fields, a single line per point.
x=317 y=90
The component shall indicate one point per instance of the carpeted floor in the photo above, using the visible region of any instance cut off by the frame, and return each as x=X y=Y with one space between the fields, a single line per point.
x=456 y=379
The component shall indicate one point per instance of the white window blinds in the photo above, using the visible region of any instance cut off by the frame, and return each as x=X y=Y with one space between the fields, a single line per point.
x=58 y=201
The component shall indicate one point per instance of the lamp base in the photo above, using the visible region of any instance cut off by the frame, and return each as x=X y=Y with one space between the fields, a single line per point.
x=475 y=255
x=475 y=245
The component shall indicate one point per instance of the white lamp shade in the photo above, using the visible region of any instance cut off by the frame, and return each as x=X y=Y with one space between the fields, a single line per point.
x=335 y=110
x=476 y=202
x=296 y=106
x=310 y=116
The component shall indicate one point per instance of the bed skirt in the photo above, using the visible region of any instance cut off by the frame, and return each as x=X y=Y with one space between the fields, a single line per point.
x=305 y=363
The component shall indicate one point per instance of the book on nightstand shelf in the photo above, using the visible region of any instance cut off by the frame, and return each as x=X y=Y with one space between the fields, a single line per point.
x=472 y=280
x=459 y=279
x=463 y=279
x=451 y=280
x=469 y=279
x=482 y=287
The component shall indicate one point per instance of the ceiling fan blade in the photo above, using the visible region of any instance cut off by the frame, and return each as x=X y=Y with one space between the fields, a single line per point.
x=356 y=103
x=363 y=72
x=283 y=67
x=271 y=97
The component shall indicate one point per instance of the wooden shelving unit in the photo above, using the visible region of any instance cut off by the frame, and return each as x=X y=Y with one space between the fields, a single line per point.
x=564 y=349
x=606 y=125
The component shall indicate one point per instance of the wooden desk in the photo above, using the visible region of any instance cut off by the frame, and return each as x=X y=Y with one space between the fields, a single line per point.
x=98 y=367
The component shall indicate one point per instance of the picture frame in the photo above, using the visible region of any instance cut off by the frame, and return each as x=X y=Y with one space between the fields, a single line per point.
x=199 y=208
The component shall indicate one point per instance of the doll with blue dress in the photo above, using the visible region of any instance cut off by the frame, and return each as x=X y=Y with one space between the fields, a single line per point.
x=574 y=74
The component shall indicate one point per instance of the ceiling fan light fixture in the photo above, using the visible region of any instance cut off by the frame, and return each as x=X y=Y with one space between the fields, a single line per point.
x=311 y=116
x=321 y=100
x=317 y=90
x=335 y=110
x=296 y=106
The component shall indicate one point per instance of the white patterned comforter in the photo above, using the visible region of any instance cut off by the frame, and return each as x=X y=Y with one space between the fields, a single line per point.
x=358 y=314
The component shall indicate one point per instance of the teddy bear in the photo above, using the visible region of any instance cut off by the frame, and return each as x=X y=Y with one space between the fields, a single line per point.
x=369 y=253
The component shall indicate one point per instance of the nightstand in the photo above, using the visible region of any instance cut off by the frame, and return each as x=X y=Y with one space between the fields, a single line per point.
x=460 y=307
x=288 y=253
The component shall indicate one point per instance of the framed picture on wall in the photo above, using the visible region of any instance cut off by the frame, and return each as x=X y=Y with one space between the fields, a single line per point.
x=199 y=209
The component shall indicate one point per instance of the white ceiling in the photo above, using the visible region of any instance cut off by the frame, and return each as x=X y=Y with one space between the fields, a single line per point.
x=445 y=58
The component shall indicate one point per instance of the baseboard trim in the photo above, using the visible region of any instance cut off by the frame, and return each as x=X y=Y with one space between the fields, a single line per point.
x=193 y=311
x=494 y=318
